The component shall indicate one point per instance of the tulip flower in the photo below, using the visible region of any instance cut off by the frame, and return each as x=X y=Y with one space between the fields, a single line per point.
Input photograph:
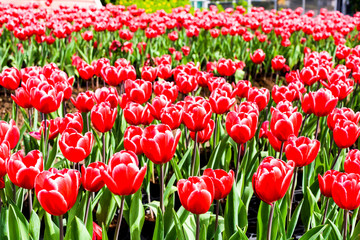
x=204 y=135
x=71 y=120
x=74 y=146
x=342 y=113
x=136 y=114
x=103 y=117
x=111 y=75
x=45 y=98
x=97 y=232
x=186 y=83
x=105 y=94
x=138 y=91
x=123 y=177
x=168 y=89
x=9 y=132
x=196 y=195
x=10 y=78
x=352 y=161
x=302 y=151
x=164 y=71
x=84 y=101
x=5 y=153
x=258 y=57
x=321 y=103
x=225 y=67
x=149 y=73
x=242 y=89
x=159 y=144
x=158 y=103
x=22 y=97
x=278 y=62
x=53 y=129
x=271 y=182
x=264 y=129
x=172 y=116
x=57 y=191
x=284 y=124
x=260 y=96
x=284 y=93
x=132 y=137
x=220 y=101
x=345 y=133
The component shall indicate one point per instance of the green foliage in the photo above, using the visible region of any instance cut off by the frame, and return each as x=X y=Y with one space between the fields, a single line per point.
x=151 y=5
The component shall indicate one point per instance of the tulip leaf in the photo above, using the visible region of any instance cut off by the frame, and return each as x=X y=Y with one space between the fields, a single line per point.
x=106 y=208
x=4 y=227
x=239 y=234
x=180 y=218
x=52 y=154
x=34 y=226
x=21 y=224
x=176 y=169
x=51 y=230
x=168 y=214
x=294 y=220
x=77 y=230
x=137 y=215
x=20 y=197
x=159 y=226
x=262 y=220
x=178 y=226
x=104 y=233
x=335 y=229
x=214 y=161
x=13 y=228
x=314 y=233
x=231 y=212
x=355 y=235
x=353 y=220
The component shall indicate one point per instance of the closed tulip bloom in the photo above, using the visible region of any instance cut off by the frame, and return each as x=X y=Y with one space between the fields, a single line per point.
x=284 y=124
x=103 y=117
x=284 y=93
x=352 y=161
x=346 y=191
x=225 y=67
x=53 y=128
x=74 y=146
x=57 y=190
x=302 y=151
x=326 y=182
x=164 y=71
x=10 y=78
x=321 y=103
x=159 y=143
x=5 y=153
x=247 y=107
x=242 y=89
x=196 y=194
x=127 y=72
x=22 y=170
x=278 y=62
x=264 y=129
x=186 y=83
x=86 y=71
x=158 y=103
x=123 y=176
x=71 y=120
x=84 y=101
x=132 y=137
x=136 y=114
x=258 y=57
x=272 y=179
x=342 y=51
x=204 y=135
x=340 y=89
x=138 y=91
x=172 y=116
x=309 y=75
x=275 y=142
x=220 y=101
x=342 y=113
x=109 y=95
x=168 y=89
x=111 y=75
x=241 y=126
x=222 y=180
x=45 y=98
x=149 y=73
x=197 y=115
x=260 y=96
x=9 y=132
x=22 y=97
x=91 y=178
x=345 y=133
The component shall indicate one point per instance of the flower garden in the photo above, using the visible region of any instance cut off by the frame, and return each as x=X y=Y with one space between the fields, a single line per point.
x=120 y=123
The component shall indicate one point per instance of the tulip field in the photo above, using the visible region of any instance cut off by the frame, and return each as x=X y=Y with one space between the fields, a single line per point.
x=189 y=124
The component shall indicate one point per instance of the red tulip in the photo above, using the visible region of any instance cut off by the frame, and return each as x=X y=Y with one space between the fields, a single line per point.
x=87 y=35
x=185 y=50
x=284 y=93
x=345 y=133
x=52 y=126
x=272 y=179
x=242 y=89
x=5 y=153
x=91 y=178
x=186 y=83
x=159 y=143
x=205 y=134
x=86 y=71
x=97 y=232
x=71 y=120
x=136 y=114
x=149 y=73
x=260 y=96
x=138 y=91
x=346 y=191
x=222 y=180
x=123 y=176
x=197 y=115
x=247 y=107
x=9 y=132
x=225 y=67
x=172 y=116
x=22 y=97
x=340 y=88
x=342 y=51
x=258 y=57
x=126 y=72
x=164 y=71
x=84 y=101
x=278 y=62
x=103 y=117
x=220 y=101
x=241 y=126
x=158 y=103
x=74 y=146
x=132 y=137
x=57 y=190
x=105 y=94
x=352 y=161
x=22 y=170
x=302 y=151
x=45 y=98
x=10 y=78
x=111 y=75
x=326 y=182
x=196 y=194
x=321 y=102
x=309 y=75
x=342 y=113
x=264 y=130
x=168 y=89
x=284 y=124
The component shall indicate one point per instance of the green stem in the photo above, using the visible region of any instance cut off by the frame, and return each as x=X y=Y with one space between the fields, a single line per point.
x=118 y=224
x=270 y=221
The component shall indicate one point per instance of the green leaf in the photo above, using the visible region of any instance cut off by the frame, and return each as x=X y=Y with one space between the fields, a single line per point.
x=34 y=226
x=52 y=154
x=231 y=212
x=21 y=224
x=77 y=230
x=4 y=230
x=314 y=233
x=179 y=230
x=238 y=235
x=294 y=220
x=137 y=215
x=262 y=220
x=159 y=226
x=104 y=233
x=51 y=230
x=14 y=232
x=336 y=230
x=106 y=208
